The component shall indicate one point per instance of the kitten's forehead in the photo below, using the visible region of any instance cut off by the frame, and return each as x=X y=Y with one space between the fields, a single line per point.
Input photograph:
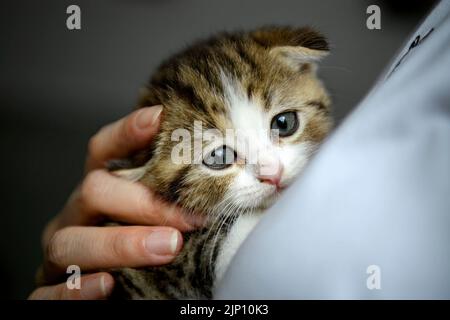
x=230 y=84
x=243 y=111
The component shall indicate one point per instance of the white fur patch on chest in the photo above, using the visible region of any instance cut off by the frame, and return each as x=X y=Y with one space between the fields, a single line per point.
x=243 y=225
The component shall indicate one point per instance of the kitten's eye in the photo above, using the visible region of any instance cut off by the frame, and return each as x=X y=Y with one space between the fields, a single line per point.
x=220 y=158
x=286 y=123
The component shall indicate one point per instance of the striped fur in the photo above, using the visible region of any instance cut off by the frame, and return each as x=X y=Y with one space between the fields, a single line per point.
x=231 y=80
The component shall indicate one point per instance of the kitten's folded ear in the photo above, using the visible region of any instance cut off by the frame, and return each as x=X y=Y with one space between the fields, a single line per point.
x=296 y=47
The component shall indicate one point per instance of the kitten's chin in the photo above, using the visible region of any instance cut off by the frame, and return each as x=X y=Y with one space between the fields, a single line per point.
x=270 y=200
x=264 y=201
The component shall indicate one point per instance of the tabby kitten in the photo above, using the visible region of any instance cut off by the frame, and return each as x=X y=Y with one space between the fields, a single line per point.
x=261 y=84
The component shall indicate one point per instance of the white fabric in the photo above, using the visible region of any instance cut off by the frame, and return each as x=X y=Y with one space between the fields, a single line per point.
x=378 y=193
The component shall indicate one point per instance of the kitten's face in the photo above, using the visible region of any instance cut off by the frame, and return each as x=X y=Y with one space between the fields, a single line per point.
x=247 y=91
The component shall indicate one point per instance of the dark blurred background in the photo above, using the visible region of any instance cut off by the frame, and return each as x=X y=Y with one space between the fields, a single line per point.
x=57 y=87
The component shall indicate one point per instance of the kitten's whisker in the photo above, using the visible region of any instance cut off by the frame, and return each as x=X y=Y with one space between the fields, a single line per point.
x=232 y=211
x=218 y=218
x=225 y=212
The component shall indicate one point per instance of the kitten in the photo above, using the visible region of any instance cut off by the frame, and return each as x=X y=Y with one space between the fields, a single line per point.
x=257 y=83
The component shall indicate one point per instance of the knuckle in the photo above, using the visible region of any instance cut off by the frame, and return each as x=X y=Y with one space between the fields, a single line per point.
x=145 y=205
x=65 y=293
x=59 y=293
x=56 y=249
x=120 y=132
x=120 y=245
x=90 y=186
x=93 y=145
x=128 y=132
x=128 y=126
x=62 y=292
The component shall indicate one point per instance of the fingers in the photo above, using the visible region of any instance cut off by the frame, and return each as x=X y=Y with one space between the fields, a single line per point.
x=103 y=194
x=119 y=139
x=125 y=201
x=111 y=247
x=93 y=287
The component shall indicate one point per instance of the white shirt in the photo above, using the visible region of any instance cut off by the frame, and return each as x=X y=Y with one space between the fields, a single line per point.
x=376 y=198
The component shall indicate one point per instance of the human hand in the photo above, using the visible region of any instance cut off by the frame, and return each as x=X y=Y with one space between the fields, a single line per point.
x=72 y=238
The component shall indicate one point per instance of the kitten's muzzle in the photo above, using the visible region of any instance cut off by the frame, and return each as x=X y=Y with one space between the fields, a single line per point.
x=271 y=172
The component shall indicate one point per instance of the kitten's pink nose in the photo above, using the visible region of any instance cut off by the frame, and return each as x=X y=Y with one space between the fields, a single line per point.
x=275 y=180
x=270 y=172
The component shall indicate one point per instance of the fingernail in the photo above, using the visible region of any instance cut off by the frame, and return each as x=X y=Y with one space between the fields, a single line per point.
x=96 y=287
x=106 y=285
x=148 y=116
x=162 y=242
